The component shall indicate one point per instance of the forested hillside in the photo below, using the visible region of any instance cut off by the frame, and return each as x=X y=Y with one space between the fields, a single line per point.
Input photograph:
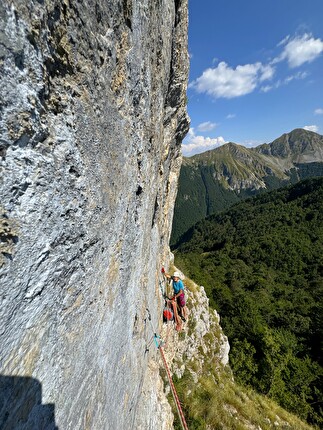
x=261 y=264
x=214 y=180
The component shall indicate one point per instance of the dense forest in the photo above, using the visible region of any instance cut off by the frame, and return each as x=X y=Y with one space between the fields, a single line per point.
x=200 y=193
x=261 y=263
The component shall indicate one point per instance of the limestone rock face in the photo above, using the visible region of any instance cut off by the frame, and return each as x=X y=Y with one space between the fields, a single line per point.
x=200 y=340
x=91 y=120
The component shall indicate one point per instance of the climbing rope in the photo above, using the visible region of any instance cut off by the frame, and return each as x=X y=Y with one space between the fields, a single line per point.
x=172 y=386
x=159 y=344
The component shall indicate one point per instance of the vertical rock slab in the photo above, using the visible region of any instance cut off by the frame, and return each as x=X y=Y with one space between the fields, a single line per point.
x=91 y=120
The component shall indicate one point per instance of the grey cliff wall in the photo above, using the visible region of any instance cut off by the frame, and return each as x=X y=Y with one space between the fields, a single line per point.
x=92 y=116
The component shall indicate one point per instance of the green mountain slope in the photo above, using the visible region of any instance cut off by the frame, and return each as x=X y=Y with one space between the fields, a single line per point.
x=213 y=181
x=210 y=397
x=262 y=267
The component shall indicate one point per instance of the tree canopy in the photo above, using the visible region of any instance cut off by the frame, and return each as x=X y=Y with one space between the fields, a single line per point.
x=261 y=263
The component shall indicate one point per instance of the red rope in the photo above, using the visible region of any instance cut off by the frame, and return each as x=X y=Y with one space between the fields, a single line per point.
x=177 y=402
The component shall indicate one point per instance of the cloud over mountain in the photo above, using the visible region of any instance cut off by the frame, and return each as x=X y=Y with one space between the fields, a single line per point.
x=194 y=144
x=311 y=128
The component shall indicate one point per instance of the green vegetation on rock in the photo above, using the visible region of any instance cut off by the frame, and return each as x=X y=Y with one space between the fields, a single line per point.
x=209 y=396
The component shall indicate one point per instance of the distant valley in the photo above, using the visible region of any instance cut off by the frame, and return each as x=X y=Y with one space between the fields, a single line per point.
x=217 y=179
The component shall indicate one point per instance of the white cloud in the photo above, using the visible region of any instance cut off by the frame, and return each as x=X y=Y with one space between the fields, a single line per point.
x=230 y=116
x=318 y=111
x=206 y=126
x=267 y=72
x=300 y=50
x=196 y=144
x=286 y=81
x=311 y=128
x=224 y=81
x=299 y=75
x=267 y=88
x=284 y=41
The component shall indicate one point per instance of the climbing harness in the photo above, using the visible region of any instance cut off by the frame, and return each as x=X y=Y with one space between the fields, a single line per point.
x=160 y=344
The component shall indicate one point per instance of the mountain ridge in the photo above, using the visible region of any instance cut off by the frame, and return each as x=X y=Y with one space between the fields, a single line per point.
x=212 y=181
x=298 y=146
x=297 y=142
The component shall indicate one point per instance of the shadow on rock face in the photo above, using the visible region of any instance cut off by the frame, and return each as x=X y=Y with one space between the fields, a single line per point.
x=21 y=405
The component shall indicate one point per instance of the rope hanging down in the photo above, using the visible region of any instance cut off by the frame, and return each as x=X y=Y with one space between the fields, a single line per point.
x=159 y=346
x=175 y=396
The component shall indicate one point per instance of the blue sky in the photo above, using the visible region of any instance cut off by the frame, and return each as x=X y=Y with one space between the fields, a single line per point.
x=256 y=71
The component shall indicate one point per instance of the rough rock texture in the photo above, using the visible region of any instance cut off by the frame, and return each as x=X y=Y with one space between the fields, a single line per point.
x=92 y=116
x=201 y=337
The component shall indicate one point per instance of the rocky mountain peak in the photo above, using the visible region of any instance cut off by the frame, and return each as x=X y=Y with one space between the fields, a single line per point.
x=212 y=181
x=295 y=144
